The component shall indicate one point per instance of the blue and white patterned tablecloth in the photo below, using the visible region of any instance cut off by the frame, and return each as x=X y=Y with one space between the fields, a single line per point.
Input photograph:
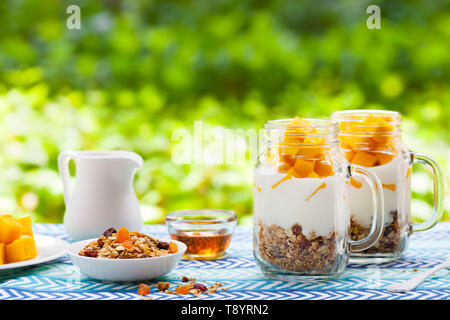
x=61 y=280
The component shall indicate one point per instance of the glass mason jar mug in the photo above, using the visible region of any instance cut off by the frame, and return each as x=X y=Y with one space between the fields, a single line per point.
x=371 y=138
x=300 y=198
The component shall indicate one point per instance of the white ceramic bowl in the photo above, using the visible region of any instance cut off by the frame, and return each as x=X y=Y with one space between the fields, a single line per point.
x=124 y=269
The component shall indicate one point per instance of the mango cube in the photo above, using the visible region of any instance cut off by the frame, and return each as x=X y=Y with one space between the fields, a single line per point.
x=16 y=239
x=303 y=167
x=381 y=138
x=387 y=146
x=312 y=175
x=300 y=126
x=10 y=229
x=385 y=128
x=323 y=169
x=2 y=253
x=284 y=167
x=349 y=155
x=364 y=159
x=360 y=143
x=288 y=159
x=384 y=158
x=289 y=148
x=26 y=223
x=20 y=249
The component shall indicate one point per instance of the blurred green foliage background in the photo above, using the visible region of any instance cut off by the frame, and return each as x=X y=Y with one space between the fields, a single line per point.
x=137 y=70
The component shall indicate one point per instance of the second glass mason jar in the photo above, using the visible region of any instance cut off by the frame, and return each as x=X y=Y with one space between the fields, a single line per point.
x=301 y=209
x=371 y=138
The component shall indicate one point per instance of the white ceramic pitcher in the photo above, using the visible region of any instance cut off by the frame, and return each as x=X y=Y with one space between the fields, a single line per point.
x=103 y=195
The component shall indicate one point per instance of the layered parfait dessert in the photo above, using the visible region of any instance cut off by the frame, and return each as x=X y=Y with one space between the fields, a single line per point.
x=371 y=140
x=299 y=212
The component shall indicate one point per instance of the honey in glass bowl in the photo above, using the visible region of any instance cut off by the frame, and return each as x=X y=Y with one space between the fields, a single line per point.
x=206 y=232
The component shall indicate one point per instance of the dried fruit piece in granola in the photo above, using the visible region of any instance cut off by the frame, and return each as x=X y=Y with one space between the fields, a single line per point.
x=183 y=289
x=173 y=248
x=200 y=286
x=127 y=244
x=89 y=253
x=163 y=245
x=122 y=235
x=143 y=289
x=162 y=286
x=109 y=232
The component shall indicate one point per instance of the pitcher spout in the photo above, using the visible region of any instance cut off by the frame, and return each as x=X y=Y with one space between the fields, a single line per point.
x=135 y=159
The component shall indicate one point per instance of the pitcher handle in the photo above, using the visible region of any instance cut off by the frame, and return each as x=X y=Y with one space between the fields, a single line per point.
x=438 y=191
x=63 y=167
x=378 y=207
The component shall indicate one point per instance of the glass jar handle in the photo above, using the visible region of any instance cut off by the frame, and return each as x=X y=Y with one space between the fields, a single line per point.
x=438 y=191
x=378 y=207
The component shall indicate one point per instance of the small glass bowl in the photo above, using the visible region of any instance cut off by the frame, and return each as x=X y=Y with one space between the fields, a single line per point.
x=206 y=232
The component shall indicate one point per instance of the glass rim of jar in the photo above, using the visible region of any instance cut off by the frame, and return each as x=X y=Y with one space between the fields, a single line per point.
x=207 y=216
x=324 y=128
x=360 y=114
x=355 y=117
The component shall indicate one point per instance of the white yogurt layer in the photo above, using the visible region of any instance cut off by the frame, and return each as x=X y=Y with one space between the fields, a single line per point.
x=288 y=204
x=360 y=199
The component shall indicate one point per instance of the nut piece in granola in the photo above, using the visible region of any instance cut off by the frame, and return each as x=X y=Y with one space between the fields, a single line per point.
x=163 y=286
x=187 y=279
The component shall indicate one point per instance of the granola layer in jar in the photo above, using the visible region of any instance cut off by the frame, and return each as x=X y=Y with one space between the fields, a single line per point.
x=289 y=249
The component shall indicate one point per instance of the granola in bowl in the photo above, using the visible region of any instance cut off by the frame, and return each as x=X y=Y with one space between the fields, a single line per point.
x=125 y=256
x=124 y=244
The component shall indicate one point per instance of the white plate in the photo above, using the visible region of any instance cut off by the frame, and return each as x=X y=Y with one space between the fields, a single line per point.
x=124 y=269
x=48 y=248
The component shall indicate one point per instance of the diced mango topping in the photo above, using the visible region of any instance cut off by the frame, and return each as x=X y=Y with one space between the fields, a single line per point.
x=323 y=169
x=16 y=239
x=304 y=167
x=312 y=174
x=384 y=158
x=365 y=159
x=372 y=136
x=350 y=155
x=302 y=153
